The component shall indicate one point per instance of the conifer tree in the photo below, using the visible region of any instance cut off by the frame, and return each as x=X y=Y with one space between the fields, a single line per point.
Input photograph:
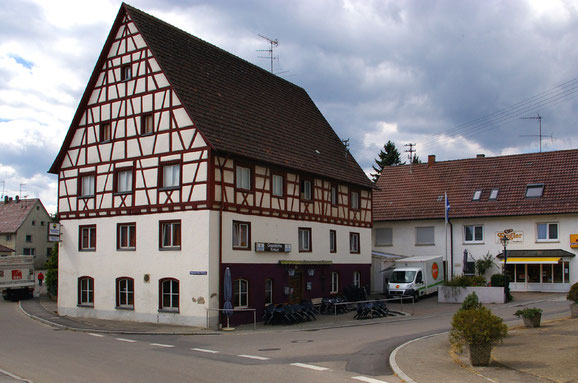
x=388 y=156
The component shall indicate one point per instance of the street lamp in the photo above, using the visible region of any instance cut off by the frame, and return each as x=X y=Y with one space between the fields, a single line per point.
x=505 y=241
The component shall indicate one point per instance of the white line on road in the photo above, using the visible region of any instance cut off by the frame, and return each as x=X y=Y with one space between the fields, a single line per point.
x=96 y=335
x=126 y=340
x=253 y=357
x=204 y=350
x=161 y=345
x=368 y=380
x=16 y=377
x=310 y=366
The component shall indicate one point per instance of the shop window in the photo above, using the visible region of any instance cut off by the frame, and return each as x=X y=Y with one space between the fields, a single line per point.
x=558 y=272
x=547 y=274
x=268 y=291
x=533 y=273
x=520 y=273
x=241 y=293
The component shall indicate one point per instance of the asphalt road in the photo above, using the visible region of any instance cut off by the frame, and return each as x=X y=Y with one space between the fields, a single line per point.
x=41 y=353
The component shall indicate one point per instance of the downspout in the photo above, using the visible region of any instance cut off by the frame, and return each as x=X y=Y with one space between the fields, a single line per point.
x=452 y=249
x=221 y=207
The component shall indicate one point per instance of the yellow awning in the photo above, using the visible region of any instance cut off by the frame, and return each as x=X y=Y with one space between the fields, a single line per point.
x=532 y=260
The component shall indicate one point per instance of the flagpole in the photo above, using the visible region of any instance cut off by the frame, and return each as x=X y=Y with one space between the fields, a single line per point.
x=446 y=213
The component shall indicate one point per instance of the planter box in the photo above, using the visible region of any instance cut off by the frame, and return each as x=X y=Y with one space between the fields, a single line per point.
x=451 y=294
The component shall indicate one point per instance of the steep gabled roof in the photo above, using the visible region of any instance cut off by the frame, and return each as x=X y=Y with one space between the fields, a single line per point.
x=420 y=194
x=13 y=214
x=238 y=107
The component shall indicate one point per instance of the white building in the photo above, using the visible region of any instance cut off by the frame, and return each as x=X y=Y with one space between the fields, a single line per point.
x=531 y=197
x=182 y=160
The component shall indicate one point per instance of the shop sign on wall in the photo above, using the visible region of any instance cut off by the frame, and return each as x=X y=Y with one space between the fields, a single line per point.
x=273 y=247
x=513 y=236
x=574 y=241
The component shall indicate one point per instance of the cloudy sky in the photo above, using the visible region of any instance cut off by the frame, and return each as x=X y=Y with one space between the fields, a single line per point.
x=453 y=77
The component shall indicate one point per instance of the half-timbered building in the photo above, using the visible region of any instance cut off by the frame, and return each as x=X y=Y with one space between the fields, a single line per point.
x=183 y=159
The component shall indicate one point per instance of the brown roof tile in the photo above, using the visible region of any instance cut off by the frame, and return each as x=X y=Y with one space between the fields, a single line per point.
x=419 y=195
x=13 y=214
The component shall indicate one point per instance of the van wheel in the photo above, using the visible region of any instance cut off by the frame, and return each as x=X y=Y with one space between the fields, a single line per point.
x=416 y=296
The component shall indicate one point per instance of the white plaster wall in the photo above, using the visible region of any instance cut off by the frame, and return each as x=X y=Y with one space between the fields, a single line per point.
x=106 y=264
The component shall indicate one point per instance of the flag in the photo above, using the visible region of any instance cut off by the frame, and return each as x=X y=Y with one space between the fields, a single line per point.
x=447 y=207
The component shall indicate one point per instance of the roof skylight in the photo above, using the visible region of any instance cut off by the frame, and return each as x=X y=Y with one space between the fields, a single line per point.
x=477 y=195
x=534 y=190
x=494 y=194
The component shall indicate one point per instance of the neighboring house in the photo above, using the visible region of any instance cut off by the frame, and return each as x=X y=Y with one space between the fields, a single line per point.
x=533 y=197
x=24 y=228
x=182 y=160
x=4 y=251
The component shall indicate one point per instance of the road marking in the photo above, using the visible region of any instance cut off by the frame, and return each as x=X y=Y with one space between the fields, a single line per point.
x=161 y=345
x=16 y=377
x=253 y=357
x=310 y=366
x=126 y=340
x=96 y=335
x=204 y=350
x=368 y=380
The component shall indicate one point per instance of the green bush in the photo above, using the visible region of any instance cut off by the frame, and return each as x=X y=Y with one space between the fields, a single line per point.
x=477 y=326
x=484 y=264
x=465 y=280
x=52 y=271
x=500 y=280
x=471 y=302
x=528 y=312
x=573 y=293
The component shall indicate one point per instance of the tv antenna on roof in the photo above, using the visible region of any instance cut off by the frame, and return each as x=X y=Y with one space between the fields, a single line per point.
x=539 y=118
x=272 y=44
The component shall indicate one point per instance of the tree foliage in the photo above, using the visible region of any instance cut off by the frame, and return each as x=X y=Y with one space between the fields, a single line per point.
x=477 y=326
x=388 y=156
x=52 y=271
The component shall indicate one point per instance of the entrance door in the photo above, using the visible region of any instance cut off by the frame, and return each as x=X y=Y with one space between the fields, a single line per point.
x=295 y=287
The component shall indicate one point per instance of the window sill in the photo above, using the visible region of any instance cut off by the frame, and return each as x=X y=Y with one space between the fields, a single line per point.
x=169 y=311
x=86 y=305
x=547 y=241
x=124 y=308
x=87 y=250
x=384 y=245
x=146 y=134
x=123 y=193
x=176 y=248
x=241 y=248
x=305 y=251
x=473 y=242
x=243 y=190
x=425 y=244
x=86 y=196
x=127 y=249
x=105 y=142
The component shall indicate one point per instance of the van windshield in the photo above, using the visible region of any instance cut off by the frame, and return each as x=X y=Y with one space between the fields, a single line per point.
x=402 y=276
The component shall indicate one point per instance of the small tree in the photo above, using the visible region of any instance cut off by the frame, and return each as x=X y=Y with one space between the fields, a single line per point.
x=388 y=156
x=484 y=264
x=52 y=271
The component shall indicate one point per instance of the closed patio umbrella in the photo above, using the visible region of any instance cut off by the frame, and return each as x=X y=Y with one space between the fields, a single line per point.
x=227 y=295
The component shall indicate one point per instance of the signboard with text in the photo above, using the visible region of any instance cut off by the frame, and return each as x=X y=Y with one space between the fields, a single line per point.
x=574 y=241
x=513 y=236
x=272 y=247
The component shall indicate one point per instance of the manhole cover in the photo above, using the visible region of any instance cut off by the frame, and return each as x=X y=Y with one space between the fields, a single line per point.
x=269 y=349
x=302 y=341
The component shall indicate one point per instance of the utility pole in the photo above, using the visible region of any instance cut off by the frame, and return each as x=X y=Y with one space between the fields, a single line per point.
x=411 y=150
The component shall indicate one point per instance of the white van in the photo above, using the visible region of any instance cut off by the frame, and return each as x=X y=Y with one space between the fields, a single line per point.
x=416 y=276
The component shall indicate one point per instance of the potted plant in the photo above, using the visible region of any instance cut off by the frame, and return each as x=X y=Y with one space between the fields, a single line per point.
x=573 y=296
x=530 y=315
x=480 y=330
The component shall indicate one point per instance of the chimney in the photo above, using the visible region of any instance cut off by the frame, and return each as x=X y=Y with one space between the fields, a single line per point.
x=480 y=155
x=6 y=199
x=17 y=198
x=431 y=159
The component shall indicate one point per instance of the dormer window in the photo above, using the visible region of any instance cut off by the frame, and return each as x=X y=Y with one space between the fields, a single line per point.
x=534 y=190
x=494 y=194
x=477 y=195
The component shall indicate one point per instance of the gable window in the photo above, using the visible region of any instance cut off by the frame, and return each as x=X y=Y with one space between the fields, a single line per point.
x=124 y=181
x=169 y=294
x=33 y=223
x=304 y=239
x=354 y=243
x=105 y=132
x=29 y=251
x=125 y=72
x=126 y=236
x=547 y=231
x=147 y=124
x=241 y=235
x=306 y=190
x=332 y=241
x=477 y=195
x=534 y=190
x=356 y=279
x=268 y=291
x=494 y=194
x=86 y=291
x=473 y=233
x=87 y=238
x=334 y=282
x=171 y=176
x=125 y=292
x=278 y=184
x=424 y=236
x=28 y=238
x=170 y=235
x=243 y=178
x=333 y=195
x=240 y=293
x=354 y=200
x=87 y=186
x=384 y=236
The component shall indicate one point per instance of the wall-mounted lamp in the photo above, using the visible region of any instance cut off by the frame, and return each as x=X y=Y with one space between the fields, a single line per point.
x=310 y=272
x=291 y=272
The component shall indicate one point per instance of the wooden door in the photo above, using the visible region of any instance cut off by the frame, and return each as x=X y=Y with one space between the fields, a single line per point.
x=296 y=287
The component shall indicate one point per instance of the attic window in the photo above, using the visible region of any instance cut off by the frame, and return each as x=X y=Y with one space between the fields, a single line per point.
x=125 y=73
x=534 y=190
x=477 y=195
x=494 y=194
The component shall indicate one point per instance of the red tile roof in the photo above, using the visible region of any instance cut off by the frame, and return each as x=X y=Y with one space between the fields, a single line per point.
x=4 y=249
x=13 y=214
x=420 y=194
x=238 y=107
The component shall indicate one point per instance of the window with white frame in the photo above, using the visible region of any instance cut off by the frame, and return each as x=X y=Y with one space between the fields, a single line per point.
x=124 y=181
x=356 y=279
x=170 y=235
x=87 y=238
x=306 y=190
x=268 y=291
x=384 y=236
x=87 y=185
x=125 y=292
x=547 y=231
x=241 y=235
x=304 y=239
x=243 y=178
x=473 y=233
x=334 y=282
x=240 y=293
x=354 y=243
x=169 y=294
x=354 y=200
x=277 y=185
x=126 y=236
x=171 y=176
x=424 y=235
x=86 y=291
x=332 y=241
